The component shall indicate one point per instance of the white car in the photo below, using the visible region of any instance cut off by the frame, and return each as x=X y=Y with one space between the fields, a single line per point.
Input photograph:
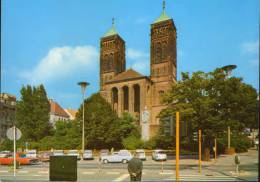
x=159 y=155
x=123 y=157
x=88 y=155
x=73 y=153
x=141 y=154
x=4 y=153
x=31 y=154
x=58 y=153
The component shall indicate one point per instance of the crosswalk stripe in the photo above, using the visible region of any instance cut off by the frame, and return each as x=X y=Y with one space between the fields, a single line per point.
x=22 y=171
x=113 y=173
x=43 y=172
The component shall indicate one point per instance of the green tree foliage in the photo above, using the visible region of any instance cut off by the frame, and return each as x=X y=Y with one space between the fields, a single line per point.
x=103 y=128
x=32 y=113
x=212 y=102
x=66 y=136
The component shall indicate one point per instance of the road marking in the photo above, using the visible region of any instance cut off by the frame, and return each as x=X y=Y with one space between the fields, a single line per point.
x=113 y=173
x=23 y=171
x=121 y=178
x=3 y=171
x=205 y=178
x=89 y=172
x=165 y=173
x=43 y=172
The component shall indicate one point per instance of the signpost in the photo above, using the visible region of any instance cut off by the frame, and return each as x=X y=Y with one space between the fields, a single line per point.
x=228 y=137
x=215 y=149
x=199 y=151
x=14 y=134
x=177 y=145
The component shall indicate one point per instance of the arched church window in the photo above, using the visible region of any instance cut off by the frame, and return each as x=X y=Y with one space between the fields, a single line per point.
x=158 y=53
x=106 y=62
x=110 y=61
x=164 y=50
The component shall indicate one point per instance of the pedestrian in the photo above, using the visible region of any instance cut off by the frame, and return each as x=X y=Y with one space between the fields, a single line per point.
x=237 y=162
x=135 y=167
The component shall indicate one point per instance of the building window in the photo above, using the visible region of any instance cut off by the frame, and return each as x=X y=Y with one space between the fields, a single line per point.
x=161 y=92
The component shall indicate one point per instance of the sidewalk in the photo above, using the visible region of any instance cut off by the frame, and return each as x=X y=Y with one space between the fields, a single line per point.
x=248 y=168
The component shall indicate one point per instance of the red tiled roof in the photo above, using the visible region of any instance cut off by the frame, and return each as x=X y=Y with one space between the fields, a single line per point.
x=56 y=109
x=71 y=112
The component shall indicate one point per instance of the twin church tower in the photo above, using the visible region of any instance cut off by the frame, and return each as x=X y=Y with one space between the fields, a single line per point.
x=130 y=91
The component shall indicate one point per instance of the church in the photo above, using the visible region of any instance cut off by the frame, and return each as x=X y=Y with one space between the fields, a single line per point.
x=130 y=91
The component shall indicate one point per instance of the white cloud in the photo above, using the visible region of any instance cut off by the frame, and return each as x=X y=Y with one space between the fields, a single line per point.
x=62 y=61
x=136 y=54
x=250 y=47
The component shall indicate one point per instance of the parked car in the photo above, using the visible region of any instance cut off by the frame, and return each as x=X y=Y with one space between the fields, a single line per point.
x=45 y=156
x=88 y=155
x=8 y=159
x=58 y=153
x=31 y=153
x=4 y=153
x=141 y=154
x=103 y=152
x=159 y=155
x=256 y=143
x=74 y=153
x=123 y=157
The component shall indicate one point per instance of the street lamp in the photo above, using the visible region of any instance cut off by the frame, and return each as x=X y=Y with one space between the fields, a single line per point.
x=83 y=88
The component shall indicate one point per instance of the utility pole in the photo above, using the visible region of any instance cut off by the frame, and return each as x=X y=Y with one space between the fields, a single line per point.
x=199 y=151
x=177 y=145
x=228 y=137
x=215 y=149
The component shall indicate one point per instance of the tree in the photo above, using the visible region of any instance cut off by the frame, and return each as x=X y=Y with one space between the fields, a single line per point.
x=32 y=114
x=103 y=128
x=211 y=102
x=66 y=136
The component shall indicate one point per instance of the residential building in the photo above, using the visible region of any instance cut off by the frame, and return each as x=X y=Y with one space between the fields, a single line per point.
x=57 y=113
x=71 y=112
x=7 y=113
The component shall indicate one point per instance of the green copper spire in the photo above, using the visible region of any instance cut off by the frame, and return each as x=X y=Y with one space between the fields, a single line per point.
x=163 y=16
x=112 y=30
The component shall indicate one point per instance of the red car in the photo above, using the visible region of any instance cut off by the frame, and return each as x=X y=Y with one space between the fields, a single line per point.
x=8 y=159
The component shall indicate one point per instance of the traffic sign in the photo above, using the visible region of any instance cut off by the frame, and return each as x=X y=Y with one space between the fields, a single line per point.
x=195 y=136
x=10 y=133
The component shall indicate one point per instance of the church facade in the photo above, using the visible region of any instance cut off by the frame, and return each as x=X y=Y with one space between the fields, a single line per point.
x=130 y=91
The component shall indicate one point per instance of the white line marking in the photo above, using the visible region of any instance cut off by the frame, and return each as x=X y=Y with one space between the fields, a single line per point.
x=3 y=171
x=43 y=172
x=89 y=172
x=23 y=171
x=165 y=173
x=113 y=173
x=121 y=178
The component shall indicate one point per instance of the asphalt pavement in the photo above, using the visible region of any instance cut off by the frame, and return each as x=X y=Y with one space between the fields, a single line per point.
x=91 y=171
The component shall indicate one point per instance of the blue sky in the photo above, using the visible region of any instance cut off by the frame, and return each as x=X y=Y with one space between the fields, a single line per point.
x=56 y=42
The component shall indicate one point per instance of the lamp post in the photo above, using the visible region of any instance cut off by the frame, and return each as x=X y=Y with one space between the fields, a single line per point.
x=83 y=88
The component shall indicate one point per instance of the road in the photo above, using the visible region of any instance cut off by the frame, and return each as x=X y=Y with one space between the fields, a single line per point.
x=88 y=171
